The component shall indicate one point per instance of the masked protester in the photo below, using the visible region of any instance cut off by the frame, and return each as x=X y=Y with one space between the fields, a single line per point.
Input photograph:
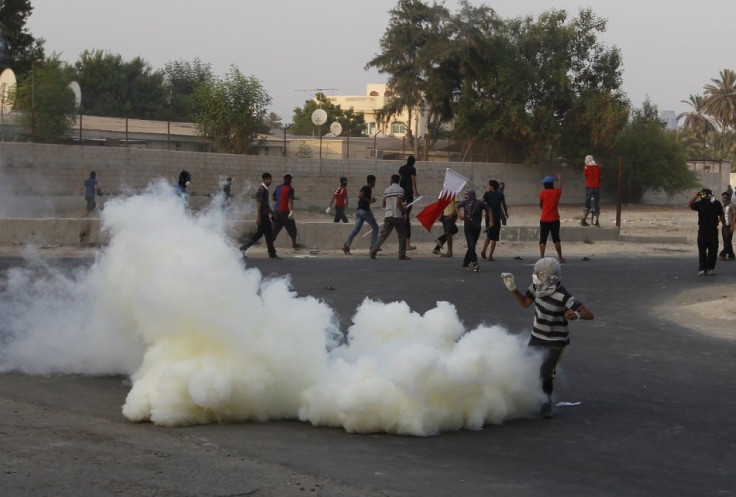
x=553 y=307
x=710 y=211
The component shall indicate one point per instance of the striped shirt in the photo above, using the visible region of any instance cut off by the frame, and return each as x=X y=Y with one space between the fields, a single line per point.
x=393 y=195
x=550 y=324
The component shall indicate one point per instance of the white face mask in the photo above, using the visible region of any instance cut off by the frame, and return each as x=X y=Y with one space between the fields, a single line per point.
x=536 y=280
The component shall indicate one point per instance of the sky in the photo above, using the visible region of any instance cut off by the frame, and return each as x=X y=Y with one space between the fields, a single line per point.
x=670 y=48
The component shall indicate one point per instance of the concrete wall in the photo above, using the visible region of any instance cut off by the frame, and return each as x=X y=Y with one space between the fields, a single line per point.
x=44 y=171
x=59 y=170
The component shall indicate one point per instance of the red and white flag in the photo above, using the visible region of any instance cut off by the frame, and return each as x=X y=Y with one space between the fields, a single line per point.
x=454 y=184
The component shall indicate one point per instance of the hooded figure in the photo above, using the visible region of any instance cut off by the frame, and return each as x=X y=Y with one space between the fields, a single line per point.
x=185 y=180
x=547 y=276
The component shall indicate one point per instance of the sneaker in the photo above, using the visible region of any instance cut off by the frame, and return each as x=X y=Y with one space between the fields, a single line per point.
x=410 y=247
x=298 y=246
x=597 y=224
x=372 y=254
x=710 y=272
x=447 y=255
x=583 y=222
x=274 y=256
x=404 y=258
x=436 y=250
x=346 y=249
x=476 y=267
x=721 y=257
x=701 y=272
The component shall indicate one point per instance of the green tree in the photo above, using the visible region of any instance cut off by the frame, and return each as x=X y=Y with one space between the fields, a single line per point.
x=113 y=87
x=21 y=48
x=413 y=54
x=48 y=103
x=353 y=123
x=566 y=70
x=231 y=111
x=653 y=159
x=720 y=99
x=181 y=79
x=698 y=121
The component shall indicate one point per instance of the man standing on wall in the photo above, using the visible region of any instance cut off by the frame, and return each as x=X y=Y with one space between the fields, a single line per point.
x=592 y=174
x=408 y=181
x=283 y=197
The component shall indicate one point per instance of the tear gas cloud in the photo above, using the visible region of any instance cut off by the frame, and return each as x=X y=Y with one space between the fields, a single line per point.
x=205 y=339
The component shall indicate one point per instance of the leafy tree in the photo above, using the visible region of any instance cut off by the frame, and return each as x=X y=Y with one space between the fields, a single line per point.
x=567 y=73
x=353 y=123
x=653 y=159
x=720 y=99
x=414 y=54
x=181 y=79
x=113 y=87
x=21 y=48
x=231 y=111
x=53 y=117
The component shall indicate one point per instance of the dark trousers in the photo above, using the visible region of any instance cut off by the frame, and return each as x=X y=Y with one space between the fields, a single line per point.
x=551 y=358
x=449 y=228
x=472 y=233
x=727 y=245
x=707 y=248
x=264 y=230
x=389 y=224
x=281 y=220
x=340 y=215
x=407 y=222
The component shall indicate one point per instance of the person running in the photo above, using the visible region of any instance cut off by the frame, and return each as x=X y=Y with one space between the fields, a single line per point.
x=549 y=221
x=553 y=307
x=264 y=213
x=364 y=214
x=340 y=199
x=394 y=217
x=498 y=212
x=592 y=172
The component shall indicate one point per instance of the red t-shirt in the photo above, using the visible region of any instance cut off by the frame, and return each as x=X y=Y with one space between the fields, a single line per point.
x=550 y=199
x=592 y=176
x=341 y=195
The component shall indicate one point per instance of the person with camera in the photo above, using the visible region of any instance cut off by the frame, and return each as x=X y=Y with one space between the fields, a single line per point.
x=710 y=211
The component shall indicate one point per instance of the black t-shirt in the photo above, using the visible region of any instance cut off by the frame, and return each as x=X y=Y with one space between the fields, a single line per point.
x=709 y=212
x=406 y=172
x=365 y=205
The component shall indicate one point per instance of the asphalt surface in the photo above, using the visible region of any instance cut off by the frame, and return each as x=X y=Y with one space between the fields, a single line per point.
x=656 y=414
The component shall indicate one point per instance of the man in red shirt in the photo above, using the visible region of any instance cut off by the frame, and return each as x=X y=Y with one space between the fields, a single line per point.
x=340 y=199
x=592 y=173
x=549 y=222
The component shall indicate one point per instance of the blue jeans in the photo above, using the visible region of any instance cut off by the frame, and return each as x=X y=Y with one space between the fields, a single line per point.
x=361 y=217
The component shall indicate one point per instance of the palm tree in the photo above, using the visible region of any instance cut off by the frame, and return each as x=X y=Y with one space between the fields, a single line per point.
x=697 y=120
x=273 y=121
x=720 y=99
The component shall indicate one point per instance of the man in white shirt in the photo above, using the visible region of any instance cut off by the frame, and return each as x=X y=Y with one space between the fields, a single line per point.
x=394 y=214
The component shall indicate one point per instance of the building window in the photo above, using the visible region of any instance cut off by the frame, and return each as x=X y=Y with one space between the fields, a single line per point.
x=371 y=129
x=398 y=128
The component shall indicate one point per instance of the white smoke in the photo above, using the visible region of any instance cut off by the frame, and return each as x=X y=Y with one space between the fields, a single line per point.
x=205 y=339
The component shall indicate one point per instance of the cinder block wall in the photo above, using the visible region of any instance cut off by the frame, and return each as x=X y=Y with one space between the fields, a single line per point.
x=59 y=170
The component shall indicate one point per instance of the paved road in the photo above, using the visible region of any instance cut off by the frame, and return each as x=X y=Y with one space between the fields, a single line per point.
x=657 y=412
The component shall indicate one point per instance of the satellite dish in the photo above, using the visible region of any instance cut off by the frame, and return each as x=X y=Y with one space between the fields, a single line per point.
x=336 y=128
x=7 y=90
x=74 y=87
x=319 y=117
